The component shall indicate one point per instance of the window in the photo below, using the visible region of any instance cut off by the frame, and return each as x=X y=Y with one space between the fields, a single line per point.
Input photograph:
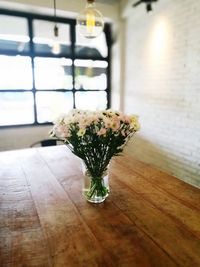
x=36 y=85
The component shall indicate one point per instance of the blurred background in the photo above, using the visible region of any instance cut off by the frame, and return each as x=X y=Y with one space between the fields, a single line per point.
x=145 y=62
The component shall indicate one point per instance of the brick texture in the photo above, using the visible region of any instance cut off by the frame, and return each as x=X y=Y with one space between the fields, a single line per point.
x=162 y=85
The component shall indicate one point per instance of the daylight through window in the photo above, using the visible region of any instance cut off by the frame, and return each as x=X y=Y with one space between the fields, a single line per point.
x=37 y=85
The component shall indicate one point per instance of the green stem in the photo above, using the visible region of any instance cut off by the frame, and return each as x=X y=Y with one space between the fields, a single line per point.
x=97 y=187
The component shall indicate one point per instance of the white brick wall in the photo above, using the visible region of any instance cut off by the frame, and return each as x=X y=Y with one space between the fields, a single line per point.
x=162 y=85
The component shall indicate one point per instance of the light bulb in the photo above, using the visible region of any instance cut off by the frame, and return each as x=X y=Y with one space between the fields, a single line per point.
x=90 y=21
x=56 y=45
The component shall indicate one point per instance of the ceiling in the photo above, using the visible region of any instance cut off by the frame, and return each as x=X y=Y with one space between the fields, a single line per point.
x=109 y=2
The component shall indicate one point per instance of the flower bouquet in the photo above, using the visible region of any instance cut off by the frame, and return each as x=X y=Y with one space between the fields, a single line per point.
x=95 y=137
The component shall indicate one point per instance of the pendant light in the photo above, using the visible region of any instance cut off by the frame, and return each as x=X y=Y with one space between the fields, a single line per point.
x=56 y=45
x=90 y=21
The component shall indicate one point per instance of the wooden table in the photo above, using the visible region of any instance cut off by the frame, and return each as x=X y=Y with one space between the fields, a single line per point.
x=149 y=219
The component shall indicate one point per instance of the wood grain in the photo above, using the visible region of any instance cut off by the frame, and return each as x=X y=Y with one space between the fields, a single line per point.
x=21 y=235
x=149 y=219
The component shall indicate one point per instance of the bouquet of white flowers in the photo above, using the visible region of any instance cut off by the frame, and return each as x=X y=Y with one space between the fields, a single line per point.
x=95 y=137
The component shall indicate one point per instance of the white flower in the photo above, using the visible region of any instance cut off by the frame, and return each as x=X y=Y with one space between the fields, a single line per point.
x=81 y=132
x=96 y=123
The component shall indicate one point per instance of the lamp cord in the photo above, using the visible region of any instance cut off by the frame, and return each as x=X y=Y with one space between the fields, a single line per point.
x=55 y=27
x=54 y=8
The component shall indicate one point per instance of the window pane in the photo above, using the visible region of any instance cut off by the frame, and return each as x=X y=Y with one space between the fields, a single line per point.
x=53 y=73
x=15 y=72
x=51 y=104
x=44 y=38
x=96 y=47
x=16 y=108
x=90 y=74
x=14 y=33
x=91 y=100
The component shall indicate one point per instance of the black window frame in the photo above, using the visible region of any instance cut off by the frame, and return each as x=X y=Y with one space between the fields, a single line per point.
x=32 y=54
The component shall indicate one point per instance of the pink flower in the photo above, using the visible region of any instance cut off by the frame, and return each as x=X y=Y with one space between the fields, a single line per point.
x=108 y=123
x=62 y=131
x=102 y=131
x=124 y=118
x=115 y=125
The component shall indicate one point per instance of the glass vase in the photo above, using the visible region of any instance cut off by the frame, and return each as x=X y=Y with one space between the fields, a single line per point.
x=95 y=189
